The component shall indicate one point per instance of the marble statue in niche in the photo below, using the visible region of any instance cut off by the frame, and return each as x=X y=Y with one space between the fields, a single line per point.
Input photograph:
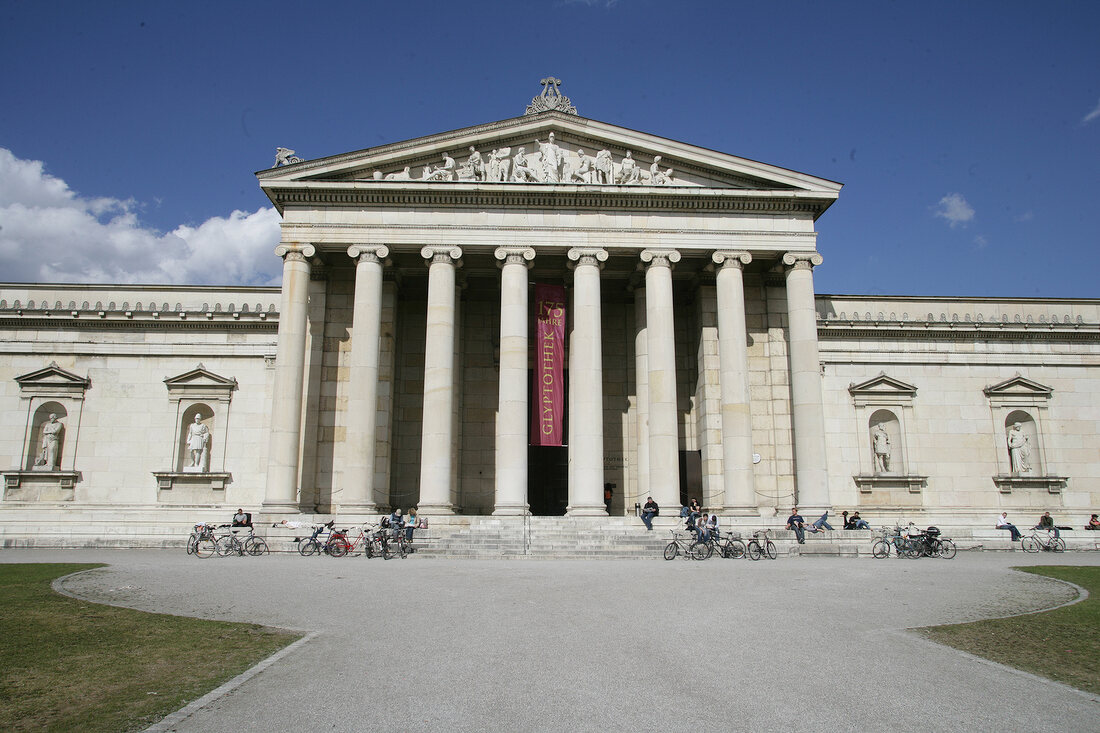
x=880 y=443
x=49 y=459
x=1019 y=450
x=198 y=446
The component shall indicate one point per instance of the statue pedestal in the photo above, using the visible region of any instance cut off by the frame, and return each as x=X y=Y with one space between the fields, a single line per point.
x=40 y=484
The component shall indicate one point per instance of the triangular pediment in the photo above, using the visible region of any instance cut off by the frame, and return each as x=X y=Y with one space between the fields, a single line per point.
x=52 y=378
x=200 y=383
x=882 y=384
x=589 y=154
x=1017 y=386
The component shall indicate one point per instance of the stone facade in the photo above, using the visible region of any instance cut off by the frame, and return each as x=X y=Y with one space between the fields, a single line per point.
x=700 y=362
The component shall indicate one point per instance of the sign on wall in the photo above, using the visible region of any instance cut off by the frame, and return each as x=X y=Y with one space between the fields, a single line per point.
x=548 y=391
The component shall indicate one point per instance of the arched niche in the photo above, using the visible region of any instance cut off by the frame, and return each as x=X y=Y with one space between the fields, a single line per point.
x=884 y=432
x=47 y=444
x=195 y=438
x=1022 y=444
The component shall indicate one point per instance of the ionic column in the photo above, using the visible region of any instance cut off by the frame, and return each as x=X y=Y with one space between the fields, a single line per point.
x=737 y=472
x=807 y=412
x=664 y=444
x=281 y=493
x=512 y=407
x=358 y=495
x=437 y=434
x=586 y=386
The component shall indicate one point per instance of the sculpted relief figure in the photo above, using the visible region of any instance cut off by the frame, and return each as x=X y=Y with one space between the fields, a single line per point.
x=551 y=160
x=473 y=168
x=443 y=172
x=497 y=168
x=1019 y=449
x=628 y=171
x=402 y=176
x=198 y=443
x=581 y=172
x=605 y=168
x=49 y=459
x=521 y=172
x=880 y=442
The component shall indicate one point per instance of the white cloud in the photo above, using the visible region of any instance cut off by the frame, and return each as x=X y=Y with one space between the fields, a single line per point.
x=954 y=208
x=1092 y=115
x=981 y=242
x=49 y=233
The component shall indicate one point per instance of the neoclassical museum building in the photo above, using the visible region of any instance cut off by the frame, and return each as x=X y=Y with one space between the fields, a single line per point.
x=545 y=315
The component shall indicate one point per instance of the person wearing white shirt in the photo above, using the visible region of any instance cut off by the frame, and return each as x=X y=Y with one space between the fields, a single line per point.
x=1003 y=523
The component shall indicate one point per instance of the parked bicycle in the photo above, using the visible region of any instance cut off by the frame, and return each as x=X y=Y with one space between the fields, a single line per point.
x=760 y=546
x=230 y=543
x=894 y=539
x=316 y=542
x=202 y=541
x=1042 y=540
x=690 y=547
x=729 y=546
x=929 y=543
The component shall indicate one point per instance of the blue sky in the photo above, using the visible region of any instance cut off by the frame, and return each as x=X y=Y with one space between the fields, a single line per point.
x=967 y=134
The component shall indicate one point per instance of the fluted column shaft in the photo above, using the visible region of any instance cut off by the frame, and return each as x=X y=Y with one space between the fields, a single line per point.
x=664 y=443
x=512 y=406
x=737 y=471
x=807 y=411
x=586 y=386
x=437 y=435
x=284 y=446
x=359 y=445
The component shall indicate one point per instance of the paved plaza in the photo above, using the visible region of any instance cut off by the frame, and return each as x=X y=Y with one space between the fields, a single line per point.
x=428 y=644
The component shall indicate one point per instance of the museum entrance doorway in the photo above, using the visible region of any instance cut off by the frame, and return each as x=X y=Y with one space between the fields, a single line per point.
x=547 y=480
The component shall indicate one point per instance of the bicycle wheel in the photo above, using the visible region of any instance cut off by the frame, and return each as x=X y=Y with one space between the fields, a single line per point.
x=770 y=549
x=368 y=549
x=255 y=546
x=881 y=549
x=1029 y=544
x=309 y=547
x=912 y=549
x=671 y=551
x=226 y=545
x=755 y=553
x=735 y=549
x=947 y=549
x=1058 y=544
x=192 y=543
x=402 y=548
x=206 y=547
x=700 y=550
x=337 y=547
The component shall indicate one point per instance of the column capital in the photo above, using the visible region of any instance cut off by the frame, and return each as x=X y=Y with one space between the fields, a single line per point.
x=295 y=251
x=514 y=255
x=731 y=258
x=660 y=257
x=587 y=256
x=448 y=255
x=368 y=252
x=802 y=260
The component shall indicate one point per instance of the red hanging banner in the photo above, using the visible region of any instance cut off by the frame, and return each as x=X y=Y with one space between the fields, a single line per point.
x=548 y=391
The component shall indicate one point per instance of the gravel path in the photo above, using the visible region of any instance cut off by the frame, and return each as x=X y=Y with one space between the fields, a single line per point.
x=461 y=645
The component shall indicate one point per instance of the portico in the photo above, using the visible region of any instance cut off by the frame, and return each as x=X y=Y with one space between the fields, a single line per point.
x=652 y=240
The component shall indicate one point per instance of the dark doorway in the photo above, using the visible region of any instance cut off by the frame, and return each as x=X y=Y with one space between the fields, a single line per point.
x=691 y=476
x=548 y=480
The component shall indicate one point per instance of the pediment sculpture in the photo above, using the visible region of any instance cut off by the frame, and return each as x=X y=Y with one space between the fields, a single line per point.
x=546 y=163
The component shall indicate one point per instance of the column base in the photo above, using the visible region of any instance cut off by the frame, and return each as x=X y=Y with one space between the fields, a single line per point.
x=280 y=507
x=741 y=511
x=586 y=510
x=511 y=510
x=359 y=508
x=435 y=509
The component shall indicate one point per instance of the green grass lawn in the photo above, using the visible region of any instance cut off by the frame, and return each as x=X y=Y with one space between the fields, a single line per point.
x=71 y=665
x=1063 y=644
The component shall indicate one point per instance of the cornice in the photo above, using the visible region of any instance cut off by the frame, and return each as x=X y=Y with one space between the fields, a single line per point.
x=542 y=196
x=169 y=321
x=827 y=330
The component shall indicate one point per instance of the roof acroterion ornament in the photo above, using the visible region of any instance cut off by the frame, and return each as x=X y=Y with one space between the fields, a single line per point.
x=550 y=99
